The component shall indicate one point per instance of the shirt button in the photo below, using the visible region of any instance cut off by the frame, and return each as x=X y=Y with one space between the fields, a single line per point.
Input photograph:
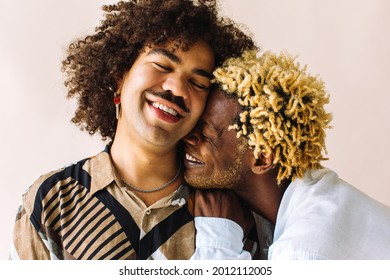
x=148 y=211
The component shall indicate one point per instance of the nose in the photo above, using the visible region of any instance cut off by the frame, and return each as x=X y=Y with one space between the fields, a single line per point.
x=192 y=138
x=176 y=85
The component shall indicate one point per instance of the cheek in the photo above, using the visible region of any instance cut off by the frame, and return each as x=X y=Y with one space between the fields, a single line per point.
x=225 y=154
x=197 y=106
x=212 y=158
x=224 y=162
x=138 y=79
x=198 y=103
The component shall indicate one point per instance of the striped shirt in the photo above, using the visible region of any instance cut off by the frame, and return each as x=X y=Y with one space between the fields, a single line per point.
x=83 y=212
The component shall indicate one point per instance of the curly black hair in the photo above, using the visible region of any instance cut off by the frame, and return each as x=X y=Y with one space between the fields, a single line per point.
x=96 y=64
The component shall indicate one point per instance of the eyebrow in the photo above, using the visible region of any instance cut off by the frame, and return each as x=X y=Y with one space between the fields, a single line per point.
x=203 y=73
x=174 y=58
x=171 y=56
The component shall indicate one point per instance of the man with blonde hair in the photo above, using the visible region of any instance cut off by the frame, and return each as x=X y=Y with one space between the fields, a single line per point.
x=263 y=135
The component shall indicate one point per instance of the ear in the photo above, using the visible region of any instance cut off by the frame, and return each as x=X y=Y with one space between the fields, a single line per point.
x=262 y=164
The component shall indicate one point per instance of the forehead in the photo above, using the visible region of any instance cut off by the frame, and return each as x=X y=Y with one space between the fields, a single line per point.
x=199 y=53
x=220 y=110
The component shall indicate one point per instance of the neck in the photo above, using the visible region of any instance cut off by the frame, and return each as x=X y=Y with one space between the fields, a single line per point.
x=146 y=168
x=263 y=195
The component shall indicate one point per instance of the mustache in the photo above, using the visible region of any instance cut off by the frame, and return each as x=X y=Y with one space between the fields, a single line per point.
x=169 y=96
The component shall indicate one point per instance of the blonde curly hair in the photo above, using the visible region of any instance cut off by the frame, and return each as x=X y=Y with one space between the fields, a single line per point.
x=282 y=109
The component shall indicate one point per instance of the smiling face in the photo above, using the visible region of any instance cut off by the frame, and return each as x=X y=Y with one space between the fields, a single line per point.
x=164 y=94
x=215 y=158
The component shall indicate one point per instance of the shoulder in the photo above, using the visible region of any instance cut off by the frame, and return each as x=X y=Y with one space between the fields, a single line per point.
x=55 y=179
x=316 y=188
x=324 y=217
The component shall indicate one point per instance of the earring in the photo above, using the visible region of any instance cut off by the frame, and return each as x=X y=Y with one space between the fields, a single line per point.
x=117 y=102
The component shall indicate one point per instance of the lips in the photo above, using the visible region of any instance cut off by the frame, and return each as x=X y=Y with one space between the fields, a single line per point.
x=192 y=160
x=171 y=108
x=166 y=109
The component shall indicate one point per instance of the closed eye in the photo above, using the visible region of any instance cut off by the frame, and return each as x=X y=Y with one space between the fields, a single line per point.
x=162 y=67
x=199 y=86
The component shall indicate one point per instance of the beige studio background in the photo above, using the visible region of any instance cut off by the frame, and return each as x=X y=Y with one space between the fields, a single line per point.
x=346 y=42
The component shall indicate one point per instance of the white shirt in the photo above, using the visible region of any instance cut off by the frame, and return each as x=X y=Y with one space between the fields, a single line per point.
x=323 y=217
x=219 y=239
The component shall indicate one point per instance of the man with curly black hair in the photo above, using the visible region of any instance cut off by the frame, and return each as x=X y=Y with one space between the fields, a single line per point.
x=141 y=80
x=267 y=147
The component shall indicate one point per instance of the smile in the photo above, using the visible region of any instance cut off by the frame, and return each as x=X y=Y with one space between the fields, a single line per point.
x=164 y=108
x=192 y=159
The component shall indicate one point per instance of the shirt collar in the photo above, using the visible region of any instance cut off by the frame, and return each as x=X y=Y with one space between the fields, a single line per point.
x=102 y=170
x=103 y=173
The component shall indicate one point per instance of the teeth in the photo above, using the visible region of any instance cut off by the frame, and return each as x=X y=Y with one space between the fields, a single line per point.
x=191 y=158
x=164 y=108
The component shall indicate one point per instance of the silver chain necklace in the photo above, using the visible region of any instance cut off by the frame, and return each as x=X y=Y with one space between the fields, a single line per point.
x=155 y=189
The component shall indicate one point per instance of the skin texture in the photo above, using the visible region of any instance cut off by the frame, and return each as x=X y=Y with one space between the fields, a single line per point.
x=146 y=136
x=175 y=73
x=213 y=154
x=212 y=149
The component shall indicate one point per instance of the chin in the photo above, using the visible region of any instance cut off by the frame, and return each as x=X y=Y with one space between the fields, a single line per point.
x=207 y=182
x=195 y=181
